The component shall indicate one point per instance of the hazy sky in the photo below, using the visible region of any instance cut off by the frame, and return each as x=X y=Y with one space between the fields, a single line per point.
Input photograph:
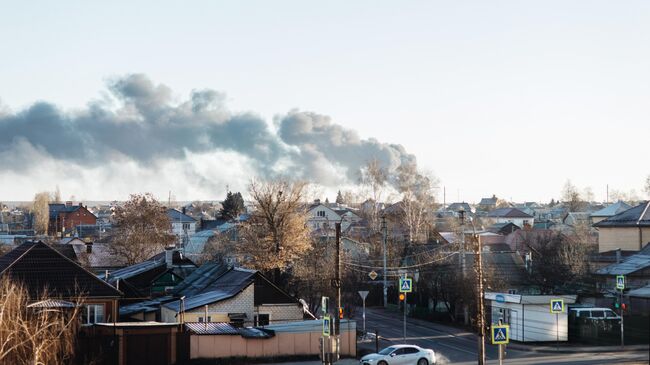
x=504 y=97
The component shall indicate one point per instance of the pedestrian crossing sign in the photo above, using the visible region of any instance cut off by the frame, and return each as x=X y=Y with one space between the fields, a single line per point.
x=620 y=282
x=500 y=334
x=326 y=326
x=405 y=285
x=557 y=306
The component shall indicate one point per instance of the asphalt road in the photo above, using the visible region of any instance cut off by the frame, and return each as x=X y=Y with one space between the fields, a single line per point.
x=456 y=346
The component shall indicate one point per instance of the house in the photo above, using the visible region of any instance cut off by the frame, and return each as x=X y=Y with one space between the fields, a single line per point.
x=503 y=228
x=218 y=293
x=529 y=316
x=183 y=226
x=155 y=277
x=635 y=268
x=323 y=217
x=511 y=215
x=609 y=211
x=64 y=218
x=94 y=256
x=39 y=267
x=628 y=230
x=487 y=204
x=574 y=219
x=456 y=207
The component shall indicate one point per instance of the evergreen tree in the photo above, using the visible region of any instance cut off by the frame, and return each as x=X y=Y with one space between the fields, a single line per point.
x=339 y=198
x=233 y=206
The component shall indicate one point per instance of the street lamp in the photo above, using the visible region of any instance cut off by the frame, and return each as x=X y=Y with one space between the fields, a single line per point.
x=479 y=287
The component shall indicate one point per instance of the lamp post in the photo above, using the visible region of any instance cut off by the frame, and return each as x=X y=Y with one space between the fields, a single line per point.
x=479 y=288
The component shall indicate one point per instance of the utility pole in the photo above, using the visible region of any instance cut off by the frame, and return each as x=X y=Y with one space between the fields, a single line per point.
x=384 y=227
x=480 y=321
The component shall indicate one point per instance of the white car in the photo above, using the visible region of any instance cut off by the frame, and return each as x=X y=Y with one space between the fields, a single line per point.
x=400 y=355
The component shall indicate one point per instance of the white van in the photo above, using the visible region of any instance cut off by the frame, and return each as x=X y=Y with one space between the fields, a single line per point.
x=594 y=313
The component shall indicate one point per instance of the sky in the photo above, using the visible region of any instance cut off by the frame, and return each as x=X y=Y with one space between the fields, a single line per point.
x=493 y=97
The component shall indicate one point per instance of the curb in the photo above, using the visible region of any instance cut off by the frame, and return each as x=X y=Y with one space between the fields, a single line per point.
x=577 y=349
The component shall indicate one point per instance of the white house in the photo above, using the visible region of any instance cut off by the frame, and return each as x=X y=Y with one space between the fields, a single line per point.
x=322 y=218
x=183 y=226
x=511 y=215
x=530 y=317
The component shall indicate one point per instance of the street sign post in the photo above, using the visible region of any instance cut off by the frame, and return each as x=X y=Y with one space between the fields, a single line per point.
x=405 y=286
x=500 y=336
x=326 y=326
x=557 y=307
x=364 y=294
x=324 y=304
x=620 y=286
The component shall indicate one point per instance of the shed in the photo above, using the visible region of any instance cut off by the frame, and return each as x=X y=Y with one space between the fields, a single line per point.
x=530 y=317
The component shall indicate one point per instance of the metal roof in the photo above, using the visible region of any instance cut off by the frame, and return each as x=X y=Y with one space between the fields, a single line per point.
x=639 y=216
x=200 y=300
x=642 y=292
x=52 y=303
x=612 y=209
x=175 y=216
x=211 y=328
x=630 y=265
x=509 y=213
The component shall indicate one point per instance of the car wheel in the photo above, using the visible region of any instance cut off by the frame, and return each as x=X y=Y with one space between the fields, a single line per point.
x=382 y=363
x=423 y=362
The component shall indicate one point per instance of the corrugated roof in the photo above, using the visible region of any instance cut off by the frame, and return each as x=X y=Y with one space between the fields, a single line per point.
x=630 y=265
x=508 y=213
x=612 y=209
x=199 y=300
x=176 y=216
x=52 y=303
x=642 y=292
x=211 y=328
x=639 y=216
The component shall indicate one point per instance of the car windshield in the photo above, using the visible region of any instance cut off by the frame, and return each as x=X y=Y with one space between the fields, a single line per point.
x=386 y=351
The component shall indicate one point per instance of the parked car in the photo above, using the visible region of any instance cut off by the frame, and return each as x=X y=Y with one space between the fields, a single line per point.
x=593 y=313
x=401 y=355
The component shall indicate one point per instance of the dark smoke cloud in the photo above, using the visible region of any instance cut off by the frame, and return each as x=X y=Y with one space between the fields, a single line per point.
x=147 y=126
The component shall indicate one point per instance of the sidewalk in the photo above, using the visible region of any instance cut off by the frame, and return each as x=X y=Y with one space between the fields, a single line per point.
x=318 y=362
x=569 y=349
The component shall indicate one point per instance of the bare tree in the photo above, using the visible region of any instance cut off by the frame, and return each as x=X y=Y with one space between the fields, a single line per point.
x=374 y=179
x=417 y=199
x=142 y=229
x=41 y=209
x=572 y=198
x=646 y=186
x=34 y=335
x=276 y=235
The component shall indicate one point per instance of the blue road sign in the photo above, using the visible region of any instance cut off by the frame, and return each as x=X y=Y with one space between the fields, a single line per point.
x=405 y=285
x=500 y=334
x=620 y=282
x=557 y=306
x=326 y=326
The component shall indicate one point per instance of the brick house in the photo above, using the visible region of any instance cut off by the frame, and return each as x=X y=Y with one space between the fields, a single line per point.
x=64 y=218
x=38 y=267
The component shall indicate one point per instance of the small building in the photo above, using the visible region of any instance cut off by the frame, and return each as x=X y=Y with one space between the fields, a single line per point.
x=183 y=226
x=529 y=316
x=40 y=267
x=511 y=215
x=628 y=230
x=64 y=218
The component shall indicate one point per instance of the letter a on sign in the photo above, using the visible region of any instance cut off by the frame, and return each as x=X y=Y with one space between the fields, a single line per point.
x=557 y=306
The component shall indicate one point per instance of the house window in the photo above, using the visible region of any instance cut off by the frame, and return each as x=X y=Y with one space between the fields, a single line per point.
x=93 y=313
x=186 y=226
x=320 y=213
x=262 y=319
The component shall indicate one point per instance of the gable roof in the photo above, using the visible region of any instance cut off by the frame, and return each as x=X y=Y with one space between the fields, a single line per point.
x=41 y=267
x=639 y=216
x=508 y=213
x=612 y=209
x=629 y=265
x=488 y=201
x=178 y=217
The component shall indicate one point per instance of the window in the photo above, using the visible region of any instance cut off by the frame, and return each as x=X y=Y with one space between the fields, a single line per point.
x=611 y=314
x=320 y=213
x=186 y=226
x=93 y=313
x=200 y=319
x=386 y=351
x=410 y=350
x=262 y=319
x=597 y=314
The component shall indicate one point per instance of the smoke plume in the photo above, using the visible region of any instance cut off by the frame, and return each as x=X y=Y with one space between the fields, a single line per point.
x=143 y=126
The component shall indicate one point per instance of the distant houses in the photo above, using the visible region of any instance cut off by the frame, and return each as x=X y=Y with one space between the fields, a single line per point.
x=65 y=218
x=627 y=230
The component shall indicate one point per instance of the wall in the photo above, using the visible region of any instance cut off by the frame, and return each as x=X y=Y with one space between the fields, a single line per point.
x=241 y=303
x=625 y=238
x=296 y=339
x=533 y=322
x=281 y=312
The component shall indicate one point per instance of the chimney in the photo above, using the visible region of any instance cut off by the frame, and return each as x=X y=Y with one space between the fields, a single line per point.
x=618 y=255
x=316 y=201
x=169 y=256
x=184 y=210
x=89 y=247
x=68 y=203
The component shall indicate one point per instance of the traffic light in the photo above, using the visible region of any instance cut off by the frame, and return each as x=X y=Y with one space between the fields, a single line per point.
x=340 y=312
x=616 y=303
x=401 y=297
x=624 y=307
